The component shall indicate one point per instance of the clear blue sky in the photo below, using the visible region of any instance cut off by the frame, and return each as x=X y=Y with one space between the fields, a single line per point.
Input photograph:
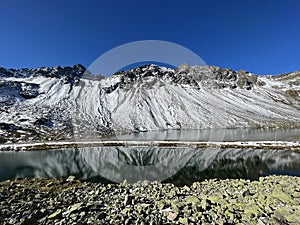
x=260 y=36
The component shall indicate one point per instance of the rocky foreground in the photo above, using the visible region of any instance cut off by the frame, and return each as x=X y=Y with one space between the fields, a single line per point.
x=271 y=200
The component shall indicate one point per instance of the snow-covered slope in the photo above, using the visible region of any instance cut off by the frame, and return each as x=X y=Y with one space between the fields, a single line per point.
x=63 y=103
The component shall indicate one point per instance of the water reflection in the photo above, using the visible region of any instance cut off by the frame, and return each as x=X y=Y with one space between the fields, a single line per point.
x=177 y=165
x=239 y=134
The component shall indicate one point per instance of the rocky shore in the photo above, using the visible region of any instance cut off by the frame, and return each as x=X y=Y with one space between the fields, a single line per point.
x=270 y=200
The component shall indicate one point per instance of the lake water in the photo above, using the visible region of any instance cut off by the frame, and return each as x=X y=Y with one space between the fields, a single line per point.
x=181 y=166
x=239 y=134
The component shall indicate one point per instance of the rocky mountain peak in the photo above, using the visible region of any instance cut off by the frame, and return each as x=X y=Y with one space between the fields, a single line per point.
x=193 y=76
x=55 y=72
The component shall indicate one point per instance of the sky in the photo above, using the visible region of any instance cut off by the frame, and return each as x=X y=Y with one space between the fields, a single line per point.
x=259 y=36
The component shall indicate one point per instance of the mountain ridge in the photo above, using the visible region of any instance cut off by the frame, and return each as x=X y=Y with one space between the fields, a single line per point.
x=69 y=102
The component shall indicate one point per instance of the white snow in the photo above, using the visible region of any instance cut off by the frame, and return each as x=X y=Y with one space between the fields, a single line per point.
x=153 y=103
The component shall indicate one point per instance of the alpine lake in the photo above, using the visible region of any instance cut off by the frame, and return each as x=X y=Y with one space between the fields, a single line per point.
x=167 y=164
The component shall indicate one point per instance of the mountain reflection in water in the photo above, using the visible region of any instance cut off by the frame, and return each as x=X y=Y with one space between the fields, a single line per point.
x=176 y=165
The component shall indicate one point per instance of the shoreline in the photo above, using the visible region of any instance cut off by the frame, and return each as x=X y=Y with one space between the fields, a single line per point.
x=40 y=146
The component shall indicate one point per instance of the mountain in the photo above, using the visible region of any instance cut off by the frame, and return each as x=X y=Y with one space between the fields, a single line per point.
x=66 y=103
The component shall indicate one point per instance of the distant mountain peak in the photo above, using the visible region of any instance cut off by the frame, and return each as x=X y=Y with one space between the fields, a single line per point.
x=193 y=76
x=58 y=71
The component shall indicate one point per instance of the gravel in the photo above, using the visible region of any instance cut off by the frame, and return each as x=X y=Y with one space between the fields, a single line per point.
x=269 y=200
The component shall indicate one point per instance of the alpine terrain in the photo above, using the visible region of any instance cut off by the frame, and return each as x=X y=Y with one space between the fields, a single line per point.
x=70 y=103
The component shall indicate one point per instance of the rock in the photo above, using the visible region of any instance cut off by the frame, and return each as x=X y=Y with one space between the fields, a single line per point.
x=75 y=207
x=70 y=179
x=30 y=221
x=172 y=216
x=104 y=204
x=192 y=200
x=183 y=221
x=214 y=199
x=260 y=222
x=56 y=214
x=29 y=91
x=128 y=199
x=203 y=204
